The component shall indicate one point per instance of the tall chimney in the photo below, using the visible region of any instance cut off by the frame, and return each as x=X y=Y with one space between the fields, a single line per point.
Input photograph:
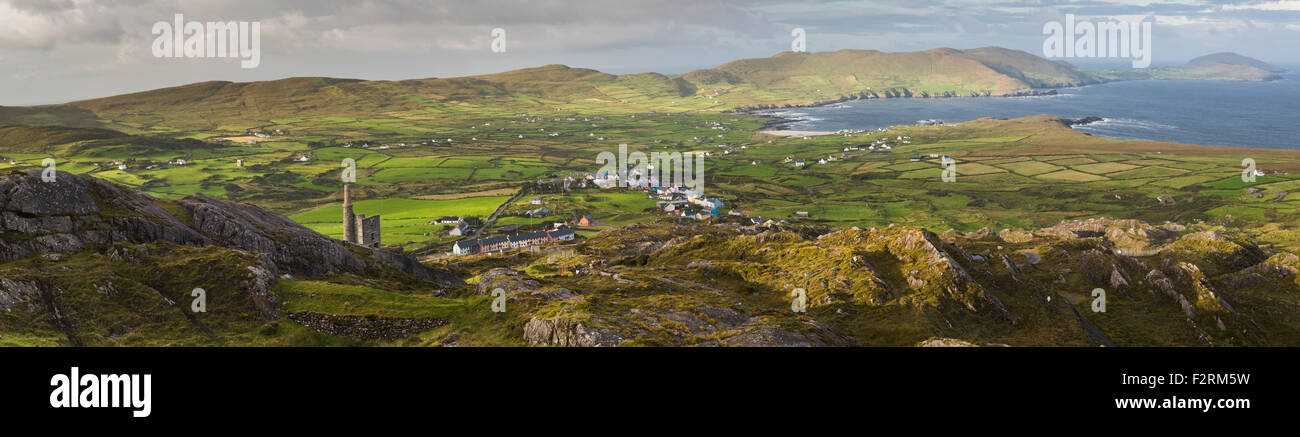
x=349 y=219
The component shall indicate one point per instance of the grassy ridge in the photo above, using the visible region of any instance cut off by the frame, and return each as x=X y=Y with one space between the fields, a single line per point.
x=786 y=78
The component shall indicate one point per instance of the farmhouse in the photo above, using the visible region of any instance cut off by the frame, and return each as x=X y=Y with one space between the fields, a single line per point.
x=460 y=229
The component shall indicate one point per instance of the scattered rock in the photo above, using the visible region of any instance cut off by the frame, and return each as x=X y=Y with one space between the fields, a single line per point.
x=946 y=342
x=365 y=327
x=1015 y=236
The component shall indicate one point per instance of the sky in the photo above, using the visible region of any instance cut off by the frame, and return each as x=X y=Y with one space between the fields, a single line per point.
x=54 y=51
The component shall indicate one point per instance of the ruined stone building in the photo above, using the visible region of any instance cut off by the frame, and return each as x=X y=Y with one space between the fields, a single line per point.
x=357 y=228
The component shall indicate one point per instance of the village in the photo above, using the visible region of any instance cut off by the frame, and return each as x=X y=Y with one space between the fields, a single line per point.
x=681 y=202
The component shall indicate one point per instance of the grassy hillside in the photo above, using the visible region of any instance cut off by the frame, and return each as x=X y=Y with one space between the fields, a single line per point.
x=32 y=139
x=786 y=78
x=1031 y=69
x=803 y=78
x=1235 y=59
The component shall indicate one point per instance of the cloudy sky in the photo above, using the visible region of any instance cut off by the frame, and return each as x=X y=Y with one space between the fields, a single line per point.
x=60 y=50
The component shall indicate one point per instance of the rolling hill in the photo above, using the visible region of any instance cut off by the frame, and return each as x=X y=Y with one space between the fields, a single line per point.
x=1235 y=59
x=785 y=78
x=28 y=139
x=943 y=72
x=1217 y=66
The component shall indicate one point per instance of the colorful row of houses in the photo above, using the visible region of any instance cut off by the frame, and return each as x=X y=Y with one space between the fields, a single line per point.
x=511 y=242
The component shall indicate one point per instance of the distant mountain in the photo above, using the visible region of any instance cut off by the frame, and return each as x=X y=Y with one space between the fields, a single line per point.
x=787 y=78
x=1217 y=66
x=1230 y=58
x=798 y=77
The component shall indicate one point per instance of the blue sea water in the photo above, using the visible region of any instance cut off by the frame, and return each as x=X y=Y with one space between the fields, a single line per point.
x=1247 y=114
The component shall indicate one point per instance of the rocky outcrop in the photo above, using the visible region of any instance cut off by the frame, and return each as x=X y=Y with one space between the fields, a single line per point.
x=1015 y=235
x=258 y=287
x=929 y=269
x=1130 y=237
x=76 y=211
x=1281 y=267
x=770 y=336
x=510 y=281
x=946 y=342
x=567 y=332
x=1082 y=121
x=73 y=211
x=1161 y=283
x=15 y=294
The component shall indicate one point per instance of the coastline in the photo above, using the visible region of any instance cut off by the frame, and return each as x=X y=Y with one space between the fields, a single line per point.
x=1150 y=109
x=904 y=94
x=775 y=124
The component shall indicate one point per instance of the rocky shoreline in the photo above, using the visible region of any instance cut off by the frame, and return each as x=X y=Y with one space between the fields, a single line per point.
x=775 y=122
x=904 y=93
x=1082 y=121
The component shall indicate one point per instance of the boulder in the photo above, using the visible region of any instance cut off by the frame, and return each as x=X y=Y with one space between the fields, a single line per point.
x=567 y=332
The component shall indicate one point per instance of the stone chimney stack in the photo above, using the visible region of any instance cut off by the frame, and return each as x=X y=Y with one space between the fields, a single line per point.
x=349 y=219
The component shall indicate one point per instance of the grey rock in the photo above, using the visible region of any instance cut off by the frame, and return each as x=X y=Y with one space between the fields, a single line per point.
x=13 y=293
x=567 y=332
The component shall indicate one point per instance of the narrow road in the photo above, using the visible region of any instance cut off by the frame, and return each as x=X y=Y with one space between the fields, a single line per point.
x=493 y=218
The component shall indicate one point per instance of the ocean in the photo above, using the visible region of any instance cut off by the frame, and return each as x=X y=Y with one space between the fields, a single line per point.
x=1244 y=114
